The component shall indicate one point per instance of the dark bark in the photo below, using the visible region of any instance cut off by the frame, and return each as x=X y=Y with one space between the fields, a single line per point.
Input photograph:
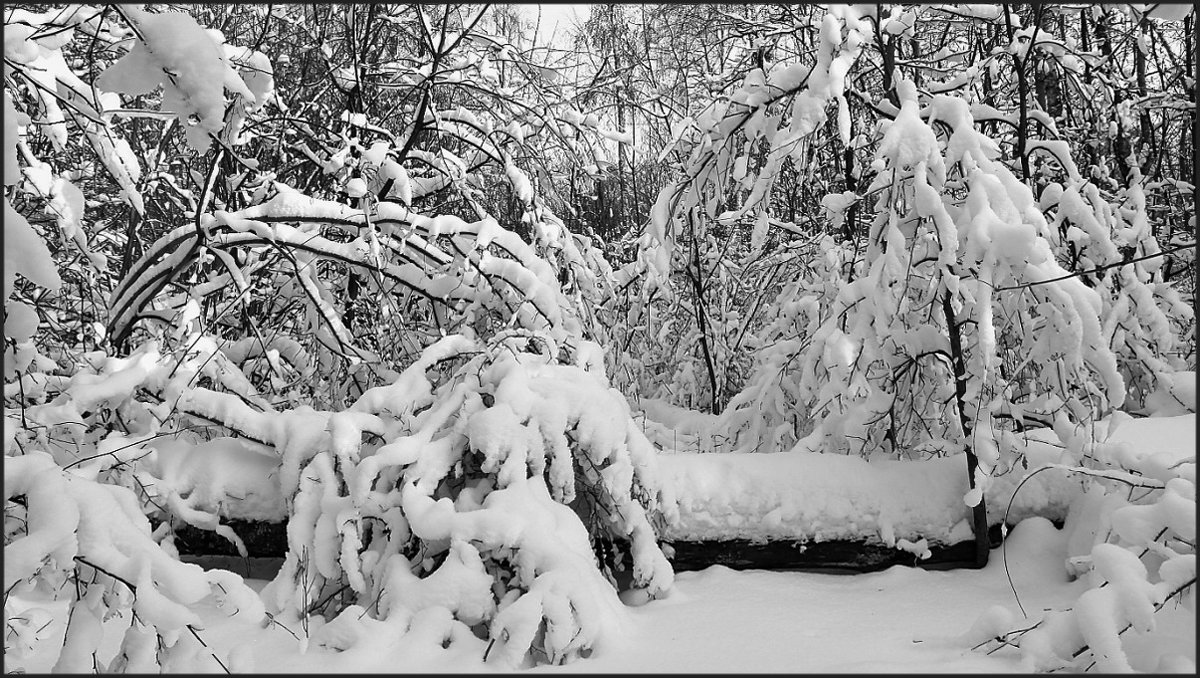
x=1120 y=145
x=701 y=318
x=1146 y=141
x=266 y=546
x=846 y=556
x=851 y=216
x=887 y=49
x=979 y=512
x=1021 y=66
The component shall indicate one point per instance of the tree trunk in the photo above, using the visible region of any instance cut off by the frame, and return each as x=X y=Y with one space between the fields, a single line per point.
x=1120 y=145
x=701 y=319
x=979 y=512
x=1189 y=130
x=1146 y=141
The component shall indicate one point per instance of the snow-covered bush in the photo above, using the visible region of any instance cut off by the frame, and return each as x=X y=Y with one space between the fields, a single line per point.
x=481 y=394
x=767 y=414
x=459 y=501
x=941 y=298
x=490 y=454
x=947 y=206
x=1132 y=536
x=100 y=469
x=734 y=159
x=65 y=530
x=349 y=304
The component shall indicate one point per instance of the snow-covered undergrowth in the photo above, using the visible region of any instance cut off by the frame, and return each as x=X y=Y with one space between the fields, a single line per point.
x=430 y=407
x=1131 y=537
x=458 y=498
x=460 y=508
x=721 y=620
x=71 y=531
x=953 y=326
x=459 y=474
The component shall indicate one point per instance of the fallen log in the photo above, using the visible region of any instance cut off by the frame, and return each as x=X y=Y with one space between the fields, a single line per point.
x=811 y=498
x=836 y=556
x=787 y=510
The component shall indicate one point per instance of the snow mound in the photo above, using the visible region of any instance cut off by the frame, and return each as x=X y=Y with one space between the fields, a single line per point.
x=817 y=497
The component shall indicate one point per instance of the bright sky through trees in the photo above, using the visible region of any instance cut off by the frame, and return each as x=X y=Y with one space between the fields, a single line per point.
x=557 y=18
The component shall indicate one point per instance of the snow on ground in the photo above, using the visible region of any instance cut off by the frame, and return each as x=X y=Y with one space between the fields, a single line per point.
x=720 y=620
x=899 y=620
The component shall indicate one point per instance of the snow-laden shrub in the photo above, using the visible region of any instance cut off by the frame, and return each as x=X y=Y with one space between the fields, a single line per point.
x=459 y=501
x=477 y=488
x=766 y=414
x=481 y=482
x=1132 y=536
x=515 y=425
x=191 y=65
x=953 y=214
x=1145 y=318
x=123 y=422
x=67 y=535
x=928 y=340
x=702 y=277
x=76 y=525
x=963 y=274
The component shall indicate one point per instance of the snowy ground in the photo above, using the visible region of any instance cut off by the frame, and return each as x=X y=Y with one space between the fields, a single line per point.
x=721 y=620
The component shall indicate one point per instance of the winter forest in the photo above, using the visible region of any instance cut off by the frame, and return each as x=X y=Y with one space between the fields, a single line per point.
x=603 y=338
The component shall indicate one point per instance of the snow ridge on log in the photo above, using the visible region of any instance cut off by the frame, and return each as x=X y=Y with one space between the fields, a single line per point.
x=800 y=496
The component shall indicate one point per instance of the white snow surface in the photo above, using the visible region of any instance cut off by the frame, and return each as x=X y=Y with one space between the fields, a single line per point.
x=799 y=495
x=818 y=497
x=720 y=620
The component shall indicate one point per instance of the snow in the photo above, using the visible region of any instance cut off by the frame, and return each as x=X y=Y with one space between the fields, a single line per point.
x=908 y=138
x=1173 y=443
x=223 y=476
x=25 y=253
x=499 y=504
x=720 y=620
x=1174 y=394
x=520 y=182
x=813 y=496
x=188 y=62
x=1166 y=11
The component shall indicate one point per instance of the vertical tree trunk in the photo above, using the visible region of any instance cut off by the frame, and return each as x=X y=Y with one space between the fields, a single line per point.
x=1021 y=66
x=1120 y=145
x=701 y=317
x=979 y=521
x=1189 y=130
x=988 y=127
x=1146 y=141
x=887 y=50
x=851 y=182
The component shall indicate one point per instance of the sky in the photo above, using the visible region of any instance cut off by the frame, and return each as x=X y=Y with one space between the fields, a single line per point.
x=556 y=19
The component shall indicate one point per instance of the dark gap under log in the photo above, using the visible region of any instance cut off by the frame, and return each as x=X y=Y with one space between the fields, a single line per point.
x=841 y=555
x=266 y=545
